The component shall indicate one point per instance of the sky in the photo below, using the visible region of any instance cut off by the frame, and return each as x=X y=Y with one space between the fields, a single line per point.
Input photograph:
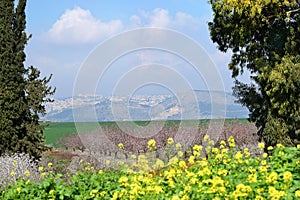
x=66 y=32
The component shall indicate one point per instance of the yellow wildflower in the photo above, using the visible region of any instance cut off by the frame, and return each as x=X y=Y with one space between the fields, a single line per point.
x=252 y=178
x=173 y=160
x=50 y=164
x=27 y=173
x=12 y=173
x=261 y=145
x=180 y=154
x=157 y=189
x=178 y=146
x=211 y=143
x=218 y=157
x=297 y=193
x=222 y=172
x=265 y=155
x=196 y=153
x=93 y=193
x=287 y=176
x=121 y=146
x=224 y=151
x=197 y=147
x=103 y=193
x=275 y=194
x=19 y=190
x=175 y=198
x=247 y=153
x=123 y=180
x=258 y=197
x=41 y=168
x=238 y=155
x=151 y=144
x=215 y=150
x=231 y=139
x=192 y=160
x=182 y=164
x=270 y=148
x=263 y=169
x=133 y=156
x=223 y=143
x=159 y=163
x=272 y=178
x=231 y=142
x=170 y=141
x=206 y=138
x=251 y=169
x=208 y=149
x=279 y=145
x=241 y=191
x=51 y=192
x=263 y=162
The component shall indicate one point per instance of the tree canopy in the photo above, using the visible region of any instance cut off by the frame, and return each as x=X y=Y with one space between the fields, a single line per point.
x=22 y=92
x=264 y=38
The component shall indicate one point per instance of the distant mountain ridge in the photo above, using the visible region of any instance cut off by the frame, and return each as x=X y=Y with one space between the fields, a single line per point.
x=199 y=104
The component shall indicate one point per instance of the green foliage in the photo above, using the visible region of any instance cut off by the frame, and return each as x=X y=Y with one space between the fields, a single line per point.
x=264 y=37
x=22 y=93
x=222 y=172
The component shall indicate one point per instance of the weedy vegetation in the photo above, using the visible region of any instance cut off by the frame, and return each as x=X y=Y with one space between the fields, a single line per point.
x=228 y=168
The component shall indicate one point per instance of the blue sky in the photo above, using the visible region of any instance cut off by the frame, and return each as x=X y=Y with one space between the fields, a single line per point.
x=65 y=32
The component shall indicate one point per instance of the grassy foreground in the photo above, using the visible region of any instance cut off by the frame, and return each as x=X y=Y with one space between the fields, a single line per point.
x=209 y=171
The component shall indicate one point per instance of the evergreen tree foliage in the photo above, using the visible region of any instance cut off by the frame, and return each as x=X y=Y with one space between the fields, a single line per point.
x=22 y=92
x=264 y=38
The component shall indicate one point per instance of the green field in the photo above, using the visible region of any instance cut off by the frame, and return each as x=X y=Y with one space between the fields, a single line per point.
x=57 y=130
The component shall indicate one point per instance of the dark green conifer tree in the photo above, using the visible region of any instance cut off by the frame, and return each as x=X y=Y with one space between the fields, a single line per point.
x=22 y=92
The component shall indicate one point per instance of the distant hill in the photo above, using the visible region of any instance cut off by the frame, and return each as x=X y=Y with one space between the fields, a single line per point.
x=190 y=105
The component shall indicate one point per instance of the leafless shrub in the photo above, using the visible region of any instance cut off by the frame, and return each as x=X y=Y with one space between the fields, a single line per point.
x=243 y=133
x=103 y=144
x=17 y=166
x=71 y=142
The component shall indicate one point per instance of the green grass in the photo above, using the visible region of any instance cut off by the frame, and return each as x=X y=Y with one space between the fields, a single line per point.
x=57 y=130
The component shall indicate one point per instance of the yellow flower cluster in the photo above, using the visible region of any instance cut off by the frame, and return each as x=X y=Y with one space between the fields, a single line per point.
x=170 y=141
x=121 y=146
x=231 y=142
x=152 y=145
x=226 y=172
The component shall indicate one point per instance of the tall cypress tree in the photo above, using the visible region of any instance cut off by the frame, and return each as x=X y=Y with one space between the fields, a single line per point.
x=22 y=92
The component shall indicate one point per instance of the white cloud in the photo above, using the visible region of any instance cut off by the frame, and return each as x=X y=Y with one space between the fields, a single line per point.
x=78 y=26
x=161 y=18
x=136 y=21
x=183 y=20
